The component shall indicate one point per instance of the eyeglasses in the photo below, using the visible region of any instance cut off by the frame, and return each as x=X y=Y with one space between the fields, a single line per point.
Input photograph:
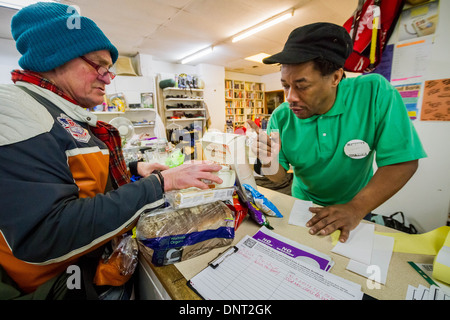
x=102 y=71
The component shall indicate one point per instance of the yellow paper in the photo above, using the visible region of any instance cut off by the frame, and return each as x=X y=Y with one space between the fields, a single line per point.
x=426 y=243
x=441 y=264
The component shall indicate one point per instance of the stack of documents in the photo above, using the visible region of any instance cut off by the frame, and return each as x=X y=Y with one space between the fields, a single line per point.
x=252 y=270
x=369 y=253
x=365 y=249
x=424 y=293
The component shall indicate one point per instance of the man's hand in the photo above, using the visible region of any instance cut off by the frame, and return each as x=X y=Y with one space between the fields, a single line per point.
x=266 y=148
x=191 y=174
x=145 y=169
x=329 y=219
x=384 y=184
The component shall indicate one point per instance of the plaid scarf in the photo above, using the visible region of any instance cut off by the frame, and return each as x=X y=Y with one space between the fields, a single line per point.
x=104 y=131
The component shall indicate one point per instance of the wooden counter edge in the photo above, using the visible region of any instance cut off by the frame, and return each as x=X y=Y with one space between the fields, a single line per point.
x=173 y=281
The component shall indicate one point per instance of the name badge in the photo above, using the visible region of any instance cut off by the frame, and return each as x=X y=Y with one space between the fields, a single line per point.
x=356 y=149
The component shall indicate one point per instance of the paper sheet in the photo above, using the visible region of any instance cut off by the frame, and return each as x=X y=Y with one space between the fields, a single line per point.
x=380 y=259
x=424 y=293
x=436 y=97
x=359 y=244
x=300 y=213
x=258 y=272
x=410 y=60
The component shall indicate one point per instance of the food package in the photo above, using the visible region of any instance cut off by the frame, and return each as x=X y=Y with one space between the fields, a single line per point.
x=192 y=197
x=118 y=267
x=227 y=175
x=175 y=159
x=264 y=204
x=254 y=212
x=239 y=209
x=230 y=149
x=171 y=235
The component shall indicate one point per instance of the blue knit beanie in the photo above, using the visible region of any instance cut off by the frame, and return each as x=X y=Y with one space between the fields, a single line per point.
x=50 y=34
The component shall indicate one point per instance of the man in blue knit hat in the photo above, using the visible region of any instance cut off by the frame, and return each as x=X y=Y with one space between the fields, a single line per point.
x=65 y=187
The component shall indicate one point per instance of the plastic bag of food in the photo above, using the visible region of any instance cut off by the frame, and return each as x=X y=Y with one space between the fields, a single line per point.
x=118 y=267
x=257 y=215
x=175 y=158
x=171 y=235
x=240 y=211
x=253 y=211
x=264 y=204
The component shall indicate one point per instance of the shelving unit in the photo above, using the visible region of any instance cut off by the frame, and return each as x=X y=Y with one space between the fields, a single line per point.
x=131 y=88
x=243 y=100
x=184 y=110
x=143 y=118
x=184 y=105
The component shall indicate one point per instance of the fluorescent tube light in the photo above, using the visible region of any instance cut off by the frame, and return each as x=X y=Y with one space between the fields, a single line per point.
x=259 y=27
x=197 y=55
x=19 y=4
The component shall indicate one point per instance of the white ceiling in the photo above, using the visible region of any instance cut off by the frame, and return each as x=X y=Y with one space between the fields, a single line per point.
x=171 y=29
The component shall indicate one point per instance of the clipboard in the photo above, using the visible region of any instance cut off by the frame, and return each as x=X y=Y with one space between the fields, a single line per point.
x=252 y=270
x=214 y=264
x=222 y=256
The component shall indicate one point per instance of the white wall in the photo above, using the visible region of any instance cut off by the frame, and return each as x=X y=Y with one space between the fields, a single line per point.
x=214 y=93
x=9 y=57
x=426 y=198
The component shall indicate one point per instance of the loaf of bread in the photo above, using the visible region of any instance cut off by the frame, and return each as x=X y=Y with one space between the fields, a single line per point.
x=168 y=236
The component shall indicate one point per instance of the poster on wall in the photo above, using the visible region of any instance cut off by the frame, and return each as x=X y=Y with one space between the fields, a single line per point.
x=436 y=100
x=409 y=63
x=418 y=21
x=410 y=94
x=410 y=60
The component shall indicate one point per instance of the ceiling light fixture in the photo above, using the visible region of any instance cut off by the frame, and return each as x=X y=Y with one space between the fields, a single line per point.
x=258 y=57
x=19 y=4
x=197 y=55
x=263 y=25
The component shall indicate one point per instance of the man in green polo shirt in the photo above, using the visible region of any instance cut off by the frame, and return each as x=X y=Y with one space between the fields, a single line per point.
x=330 y=130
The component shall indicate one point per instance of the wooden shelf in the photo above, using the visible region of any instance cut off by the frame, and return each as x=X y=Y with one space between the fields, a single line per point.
x=187 y=119
x=243 y=100
x=185 y=109
x=182 y=89
x=120 y=112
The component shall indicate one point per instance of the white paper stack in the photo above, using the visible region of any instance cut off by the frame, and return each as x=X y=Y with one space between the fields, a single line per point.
x=424 y=293
x=369 y=254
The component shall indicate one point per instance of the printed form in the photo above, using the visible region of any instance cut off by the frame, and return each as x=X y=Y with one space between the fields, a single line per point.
x=255 y=271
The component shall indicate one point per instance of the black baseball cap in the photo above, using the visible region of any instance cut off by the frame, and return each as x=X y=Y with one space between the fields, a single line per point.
x=322 y=39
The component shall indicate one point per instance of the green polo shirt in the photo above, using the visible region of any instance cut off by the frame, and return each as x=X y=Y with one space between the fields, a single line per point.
x=368 y=112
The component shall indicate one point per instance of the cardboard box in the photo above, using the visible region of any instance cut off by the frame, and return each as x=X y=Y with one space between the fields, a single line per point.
x=229 y=149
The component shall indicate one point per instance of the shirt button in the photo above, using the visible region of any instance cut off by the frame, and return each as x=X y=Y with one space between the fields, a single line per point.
x=324 y=134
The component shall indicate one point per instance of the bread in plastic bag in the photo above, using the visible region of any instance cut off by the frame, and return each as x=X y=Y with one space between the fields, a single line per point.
x=171 y=235
x=118 y=267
